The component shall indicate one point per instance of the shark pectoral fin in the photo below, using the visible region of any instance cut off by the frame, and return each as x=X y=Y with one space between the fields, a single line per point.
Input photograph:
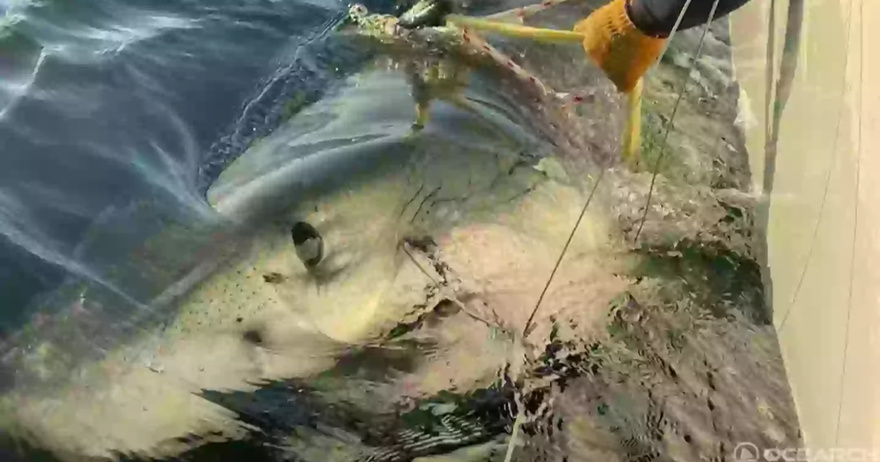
x=513 y=30
x=632 y=135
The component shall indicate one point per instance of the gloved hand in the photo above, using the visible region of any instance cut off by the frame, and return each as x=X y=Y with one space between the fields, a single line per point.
x=620 y=49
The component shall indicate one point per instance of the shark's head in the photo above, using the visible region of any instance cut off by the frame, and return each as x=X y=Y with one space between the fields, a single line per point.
x=400 y=225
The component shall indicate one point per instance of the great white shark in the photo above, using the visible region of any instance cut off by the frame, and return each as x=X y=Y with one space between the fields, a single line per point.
x=438 y=245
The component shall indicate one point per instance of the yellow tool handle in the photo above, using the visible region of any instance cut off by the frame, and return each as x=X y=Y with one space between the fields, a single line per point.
x=513 y=30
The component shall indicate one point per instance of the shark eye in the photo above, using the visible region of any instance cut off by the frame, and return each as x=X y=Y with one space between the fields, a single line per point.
x=308 y=243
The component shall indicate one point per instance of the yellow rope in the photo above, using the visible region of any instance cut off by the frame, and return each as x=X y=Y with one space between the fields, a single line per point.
x=513 y=30
x=632 y=134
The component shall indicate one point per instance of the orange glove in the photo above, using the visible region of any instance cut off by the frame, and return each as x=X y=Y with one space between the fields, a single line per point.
x=622 y=51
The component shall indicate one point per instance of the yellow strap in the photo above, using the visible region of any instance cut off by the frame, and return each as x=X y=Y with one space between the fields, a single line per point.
x=513 y=30
x=632 y=133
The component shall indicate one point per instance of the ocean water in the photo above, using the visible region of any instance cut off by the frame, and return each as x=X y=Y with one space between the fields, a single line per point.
x=155 y=154
x=109 y=103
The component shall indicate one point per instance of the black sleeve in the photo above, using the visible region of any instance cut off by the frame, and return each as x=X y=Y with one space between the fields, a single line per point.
x=657 y=17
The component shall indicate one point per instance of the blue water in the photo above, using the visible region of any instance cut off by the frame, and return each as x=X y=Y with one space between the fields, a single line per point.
x=107 y=105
